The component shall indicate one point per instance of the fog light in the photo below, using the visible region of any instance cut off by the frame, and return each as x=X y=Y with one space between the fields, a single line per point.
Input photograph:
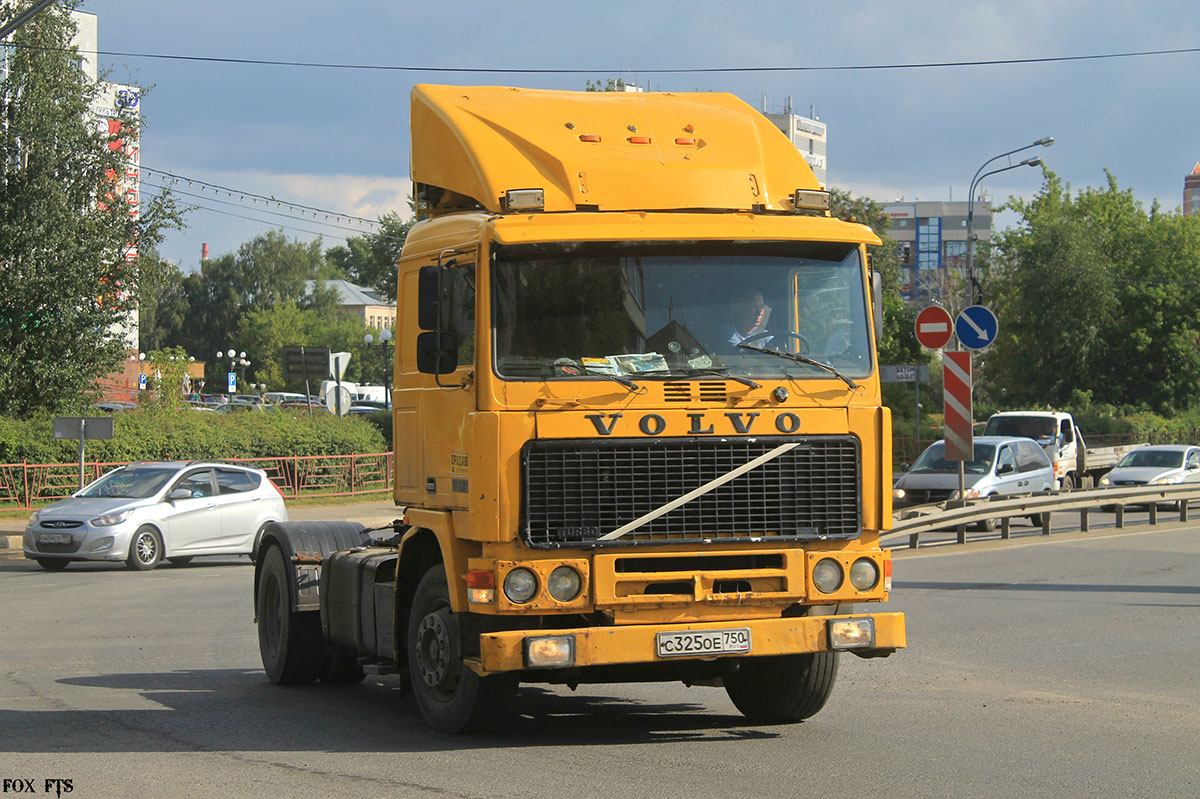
x=851 y=633
x=102 y=543
x=564 y=584
x=827 y=576
x=520 y=585
x=550 y=652
x=864 y=574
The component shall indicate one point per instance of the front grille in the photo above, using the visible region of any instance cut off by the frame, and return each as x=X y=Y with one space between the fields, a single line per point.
x=575 y=491
x=60 y=524
x=923 y=496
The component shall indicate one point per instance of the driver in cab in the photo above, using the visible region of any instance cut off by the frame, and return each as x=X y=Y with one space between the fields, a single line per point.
x=749 y=315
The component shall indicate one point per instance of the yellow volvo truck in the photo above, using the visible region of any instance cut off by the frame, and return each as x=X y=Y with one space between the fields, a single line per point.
x=637 y=421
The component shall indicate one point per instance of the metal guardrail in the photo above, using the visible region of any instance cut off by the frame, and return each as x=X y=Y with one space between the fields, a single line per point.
x=957 y=515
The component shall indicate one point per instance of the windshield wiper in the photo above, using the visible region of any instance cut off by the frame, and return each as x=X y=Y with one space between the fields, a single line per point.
x=719 y=371
x=629 y=384
x=803 y=359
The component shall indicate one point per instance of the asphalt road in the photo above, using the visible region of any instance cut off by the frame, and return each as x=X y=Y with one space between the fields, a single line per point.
x=1063 y=666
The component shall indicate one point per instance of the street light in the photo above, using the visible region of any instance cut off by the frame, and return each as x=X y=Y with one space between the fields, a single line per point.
x=969 y=273
x=385 y=337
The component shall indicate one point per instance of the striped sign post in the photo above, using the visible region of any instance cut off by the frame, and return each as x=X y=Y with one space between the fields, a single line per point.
x=960 y=444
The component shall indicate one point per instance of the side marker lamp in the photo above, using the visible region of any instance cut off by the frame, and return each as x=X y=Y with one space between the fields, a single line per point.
x=524 y=200
x=810 y=200
x=549 y=652
x=851 y=633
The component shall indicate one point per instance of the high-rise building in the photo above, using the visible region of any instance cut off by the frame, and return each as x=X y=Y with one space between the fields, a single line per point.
x=1191 y=192
x=808 y=134
x=932 y=239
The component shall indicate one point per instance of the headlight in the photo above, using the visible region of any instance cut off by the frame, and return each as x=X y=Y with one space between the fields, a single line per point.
x=564 y=584
x=970 y=493
x=1105 y=481
x=34 y=517
x=1158 y=481
x=112 y=518
x=520 y=585
x=864 y=574
x=827 y=576
x=898 y=493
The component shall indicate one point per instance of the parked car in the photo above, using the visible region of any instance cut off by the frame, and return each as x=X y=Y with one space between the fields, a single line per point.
x=114 y=406
x=1161 y=464
x=147 y=511
x=237 y=406
x=277 y=397
x=1001 y=465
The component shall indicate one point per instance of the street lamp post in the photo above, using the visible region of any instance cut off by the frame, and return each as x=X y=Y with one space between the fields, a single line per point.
x=969 y=274
x=385 y=338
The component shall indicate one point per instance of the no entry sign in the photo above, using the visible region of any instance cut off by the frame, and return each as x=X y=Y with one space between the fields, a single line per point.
x=933 y=327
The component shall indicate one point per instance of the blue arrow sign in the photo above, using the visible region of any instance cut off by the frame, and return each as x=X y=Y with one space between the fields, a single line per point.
x=976 y=327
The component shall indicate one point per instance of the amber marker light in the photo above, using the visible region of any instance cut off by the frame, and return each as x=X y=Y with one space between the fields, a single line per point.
x=481 y=586
x=686 y=141
x=592 y=137
x=639 y=139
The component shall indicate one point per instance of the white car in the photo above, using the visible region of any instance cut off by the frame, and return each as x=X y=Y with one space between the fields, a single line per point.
x=1161 y=464
x=147 y=511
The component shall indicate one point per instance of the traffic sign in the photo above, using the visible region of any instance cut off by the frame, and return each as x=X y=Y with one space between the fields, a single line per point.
x=933 y=327
x=231 y=378
x=142 y=381
x=303 y=363
x=956 y=386
x=976 y=327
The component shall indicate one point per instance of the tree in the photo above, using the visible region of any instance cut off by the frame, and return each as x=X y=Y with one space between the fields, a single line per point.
x=370 y=260
x=1096 y=296
x=65 y=226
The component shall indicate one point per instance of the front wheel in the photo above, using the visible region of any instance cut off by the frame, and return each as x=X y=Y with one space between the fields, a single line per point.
x=145 y=551
x=451 y=696
x=1067 y=483
x=782 y=690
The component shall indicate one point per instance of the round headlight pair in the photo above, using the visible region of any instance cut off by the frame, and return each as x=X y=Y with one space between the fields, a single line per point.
x=521 y=584
x=827 y=575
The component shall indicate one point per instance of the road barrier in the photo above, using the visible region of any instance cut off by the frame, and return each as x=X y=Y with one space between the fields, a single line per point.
x=24 y=486
x=958 y=515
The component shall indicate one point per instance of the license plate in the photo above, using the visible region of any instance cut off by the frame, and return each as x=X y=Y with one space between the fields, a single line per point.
x=695 y=643
x=54 y=538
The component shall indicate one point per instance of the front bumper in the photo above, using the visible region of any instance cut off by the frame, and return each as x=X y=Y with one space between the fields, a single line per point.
x=636 y=643
x=87 y=543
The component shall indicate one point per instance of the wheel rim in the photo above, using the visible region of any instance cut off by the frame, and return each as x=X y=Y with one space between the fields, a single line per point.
x=435 y=658
x=147 y=548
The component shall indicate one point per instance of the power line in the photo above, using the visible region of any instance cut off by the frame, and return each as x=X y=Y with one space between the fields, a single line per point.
x=663 y=71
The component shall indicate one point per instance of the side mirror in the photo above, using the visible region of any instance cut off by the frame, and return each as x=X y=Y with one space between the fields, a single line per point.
x=877 y=302
x=437 y=353
x=431 y=281
x=179 y=493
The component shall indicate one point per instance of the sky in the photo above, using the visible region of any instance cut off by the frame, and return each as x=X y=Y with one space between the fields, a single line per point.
x=336 y=139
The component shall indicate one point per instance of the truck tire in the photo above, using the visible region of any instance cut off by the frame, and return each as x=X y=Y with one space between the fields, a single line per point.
x=290 y=642
x=1067 y=483
x=451 y=696
x=782 y=690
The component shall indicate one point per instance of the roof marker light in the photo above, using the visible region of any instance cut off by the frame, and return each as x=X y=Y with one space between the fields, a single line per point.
x=810 y=199
x=639 y=139
x=589 y=137
x=524 y=200
x=685 y=140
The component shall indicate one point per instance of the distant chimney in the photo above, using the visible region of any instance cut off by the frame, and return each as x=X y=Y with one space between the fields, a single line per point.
x=204 y=251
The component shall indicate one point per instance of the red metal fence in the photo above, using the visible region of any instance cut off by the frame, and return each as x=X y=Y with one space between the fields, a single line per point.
x=24 y=486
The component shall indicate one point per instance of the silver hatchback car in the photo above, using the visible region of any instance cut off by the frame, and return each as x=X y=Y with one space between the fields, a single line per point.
x=147 y=511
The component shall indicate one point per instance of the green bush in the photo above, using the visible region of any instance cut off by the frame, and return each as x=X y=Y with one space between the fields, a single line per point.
x=150 y=433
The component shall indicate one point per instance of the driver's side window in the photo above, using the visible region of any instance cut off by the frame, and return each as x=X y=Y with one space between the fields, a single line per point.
x=1005 y=462
x=198 y=484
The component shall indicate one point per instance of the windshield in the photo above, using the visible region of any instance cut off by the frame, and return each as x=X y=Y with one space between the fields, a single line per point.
x=934 y=460
x=1035 y=427
x=136 y=483
x=1161 y=458
x=648 y=309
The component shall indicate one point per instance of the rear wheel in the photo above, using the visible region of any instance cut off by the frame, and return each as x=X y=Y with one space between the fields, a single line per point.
x=145 y=551
x=782 y=690
x=290 y=642
x=1067 y=483
x=451 y=696
x=987 y=525
x=53 y=564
